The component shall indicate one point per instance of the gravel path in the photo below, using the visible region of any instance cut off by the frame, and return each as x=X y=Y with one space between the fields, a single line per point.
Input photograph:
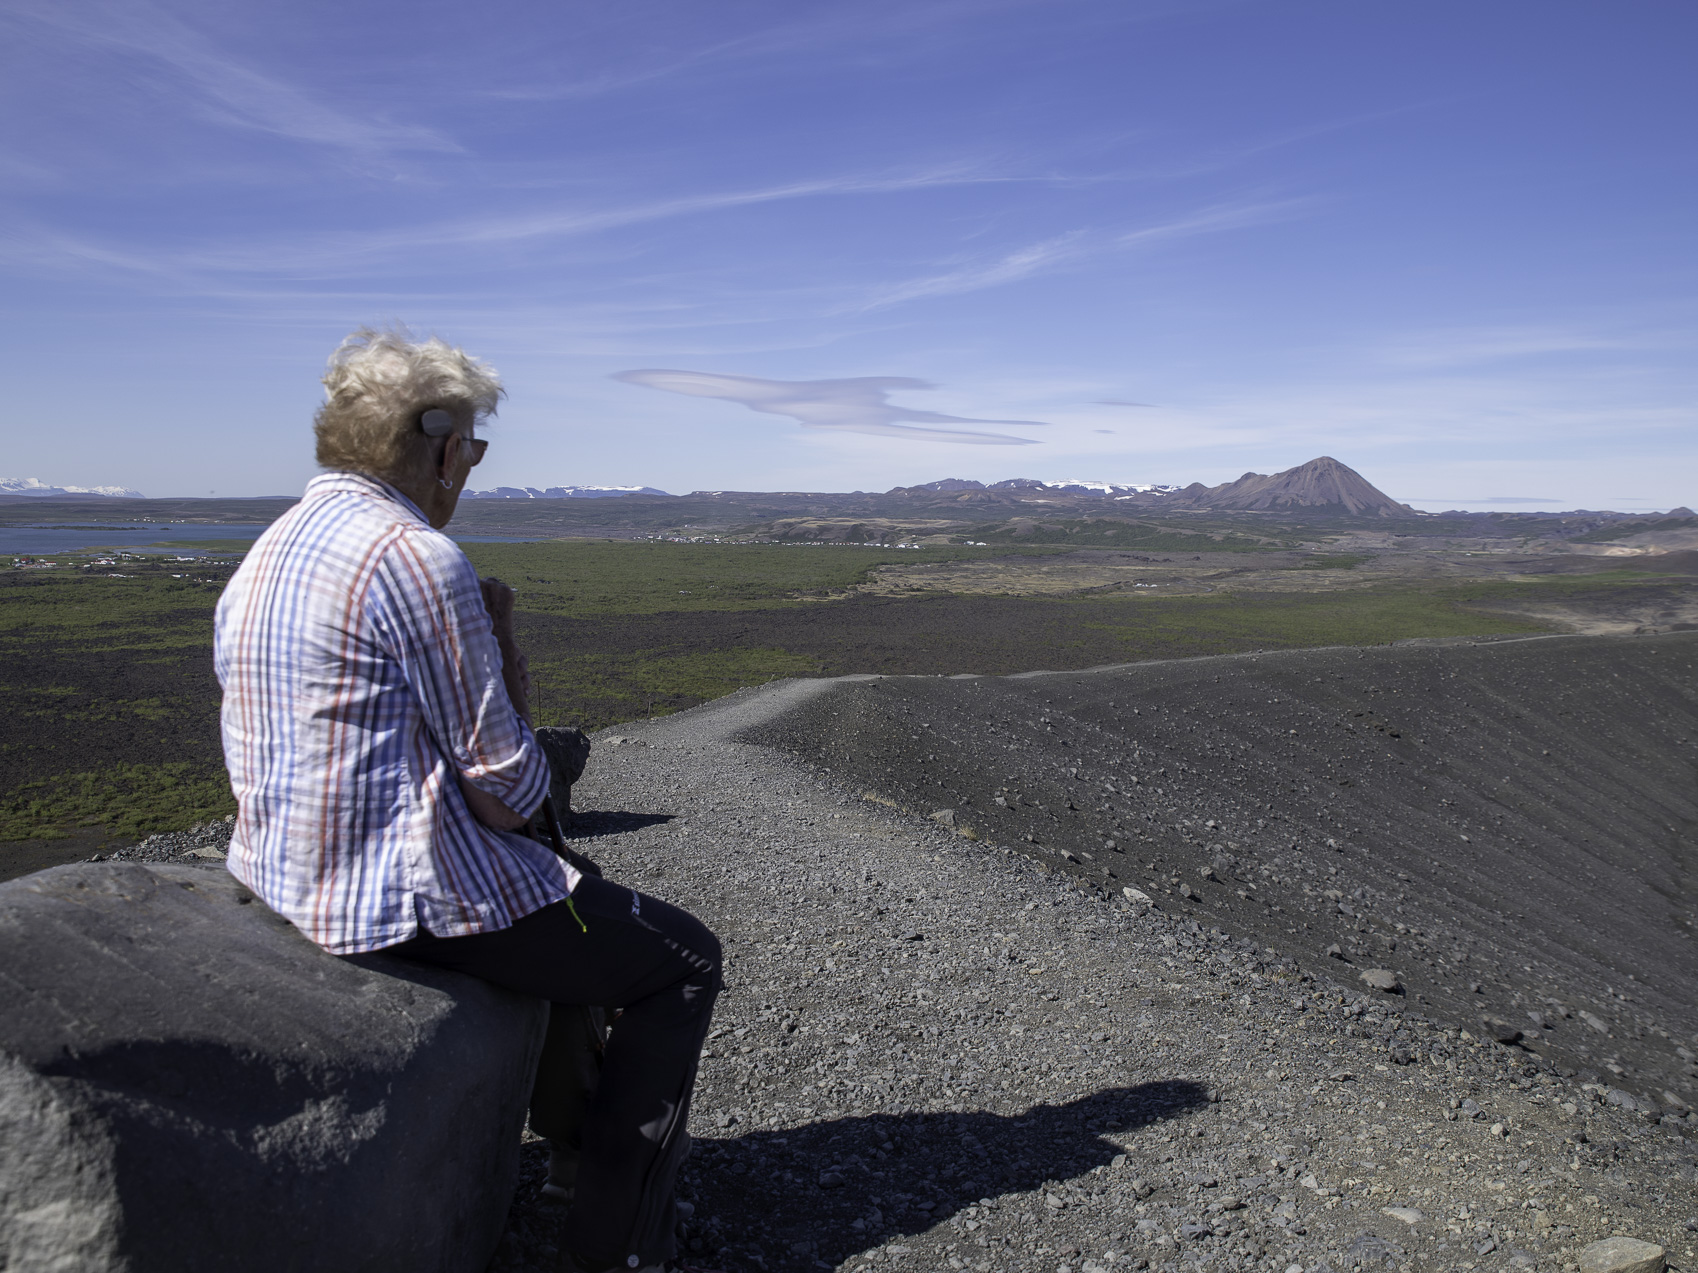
x=939 y=1053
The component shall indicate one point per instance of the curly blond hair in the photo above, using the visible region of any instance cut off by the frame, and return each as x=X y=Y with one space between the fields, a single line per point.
x=377 y=385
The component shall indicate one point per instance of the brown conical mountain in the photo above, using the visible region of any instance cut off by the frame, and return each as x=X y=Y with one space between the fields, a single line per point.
x=1321 y=485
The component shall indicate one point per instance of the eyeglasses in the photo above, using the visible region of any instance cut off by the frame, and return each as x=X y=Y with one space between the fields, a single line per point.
x=437 y=423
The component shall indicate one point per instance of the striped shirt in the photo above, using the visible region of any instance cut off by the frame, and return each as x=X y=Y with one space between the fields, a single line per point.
x=362 y=683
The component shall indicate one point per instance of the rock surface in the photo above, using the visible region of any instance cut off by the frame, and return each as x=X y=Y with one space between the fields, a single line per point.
x=188 y=1084
x=999 y=1065
x=568 y=751
x=1622 y=1255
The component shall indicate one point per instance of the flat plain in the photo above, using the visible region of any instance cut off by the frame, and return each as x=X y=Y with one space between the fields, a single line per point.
x=109 y=722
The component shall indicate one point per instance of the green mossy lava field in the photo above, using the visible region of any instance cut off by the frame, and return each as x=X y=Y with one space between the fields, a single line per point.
x=109 y=706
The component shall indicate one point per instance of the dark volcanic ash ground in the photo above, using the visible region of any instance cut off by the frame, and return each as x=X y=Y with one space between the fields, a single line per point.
x=1511 y=827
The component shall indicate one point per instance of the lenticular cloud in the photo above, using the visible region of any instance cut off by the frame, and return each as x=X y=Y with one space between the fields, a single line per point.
x=860 y=405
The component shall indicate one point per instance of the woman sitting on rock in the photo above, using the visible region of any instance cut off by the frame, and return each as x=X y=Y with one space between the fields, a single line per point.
x=377 y=737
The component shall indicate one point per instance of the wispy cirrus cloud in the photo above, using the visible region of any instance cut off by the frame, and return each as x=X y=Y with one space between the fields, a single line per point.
x=1213 y=219
x=1072 y=247
x=1011 y=267
x=858 y=405
x=335 y=252
x=216 y=84
x=1462 y=346
x=828 y=32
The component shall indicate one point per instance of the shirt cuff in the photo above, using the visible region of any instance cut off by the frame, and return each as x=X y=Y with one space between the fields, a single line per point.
x=522 y=783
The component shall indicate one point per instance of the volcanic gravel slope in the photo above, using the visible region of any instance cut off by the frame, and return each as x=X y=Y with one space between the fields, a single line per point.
x=1510 y=826
x=940 y=1053
x=935 y=1052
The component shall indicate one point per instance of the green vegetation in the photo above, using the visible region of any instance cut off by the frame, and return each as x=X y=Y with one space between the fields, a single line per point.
x=65 y=704
x=150 y=610
x=1183 y=627
x=1333 y=561
x=1623 y=530
x=607 y=686
x=1102 y=532
x=109 y=710
x=1623 y=584
x=605 y=577
x=197 y=545
x=127 y=800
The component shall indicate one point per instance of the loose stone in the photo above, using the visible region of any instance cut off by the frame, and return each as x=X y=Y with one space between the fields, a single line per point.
x=1622 y=1255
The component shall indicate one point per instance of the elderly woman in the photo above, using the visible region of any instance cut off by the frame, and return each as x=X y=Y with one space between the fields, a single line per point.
x=378 y=742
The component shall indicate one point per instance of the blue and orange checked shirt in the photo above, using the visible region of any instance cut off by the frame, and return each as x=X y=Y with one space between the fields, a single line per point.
x=362 y=683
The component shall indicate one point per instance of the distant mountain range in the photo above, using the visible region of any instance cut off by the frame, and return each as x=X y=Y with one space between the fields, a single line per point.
x=1321 y=485
x=1073 y=485
x=34 y=487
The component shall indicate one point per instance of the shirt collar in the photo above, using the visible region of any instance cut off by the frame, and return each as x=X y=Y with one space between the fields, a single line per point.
x=365 y=484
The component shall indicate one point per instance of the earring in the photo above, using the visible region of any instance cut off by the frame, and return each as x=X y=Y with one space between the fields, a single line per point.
x=446 y=484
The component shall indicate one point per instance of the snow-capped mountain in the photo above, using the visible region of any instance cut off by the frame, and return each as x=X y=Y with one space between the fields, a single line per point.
x=562 y=492
x=35 y=486
x=1072 y=485
x=1086 y=486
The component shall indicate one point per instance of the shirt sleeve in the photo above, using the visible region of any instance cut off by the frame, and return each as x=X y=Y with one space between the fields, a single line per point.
x=431 y=613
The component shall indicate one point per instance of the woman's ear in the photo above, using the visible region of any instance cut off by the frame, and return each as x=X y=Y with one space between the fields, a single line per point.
x=451 y=450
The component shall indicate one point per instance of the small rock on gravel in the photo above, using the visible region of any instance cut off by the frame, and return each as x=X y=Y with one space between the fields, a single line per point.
x=1622 y=1255
x=1502 y=1031
x=1381 y=979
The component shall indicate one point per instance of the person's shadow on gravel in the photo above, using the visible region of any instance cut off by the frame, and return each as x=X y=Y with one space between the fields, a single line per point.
x=829 y=1189
x=588 y=824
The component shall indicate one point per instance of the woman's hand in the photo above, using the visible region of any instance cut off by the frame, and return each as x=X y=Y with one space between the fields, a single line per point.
x=515 y=667
x=498 y=600
x=489 y=810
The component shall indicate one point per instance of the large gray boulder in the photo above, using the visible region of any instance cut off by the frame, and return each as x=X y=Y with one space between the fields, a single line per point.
x=187 y=1083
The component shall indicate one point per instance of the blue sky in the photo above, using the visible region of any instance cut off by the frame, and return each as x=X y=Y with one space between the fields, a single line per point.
x=1451 y=244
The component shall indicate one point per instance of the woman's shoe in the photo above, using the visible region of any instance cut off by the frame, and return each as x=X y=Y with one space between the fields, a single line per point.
x=562 y=1183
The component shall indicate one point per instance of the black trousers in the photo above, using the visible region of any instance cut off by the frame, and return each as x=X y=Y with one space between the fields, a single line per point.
x=618 y=949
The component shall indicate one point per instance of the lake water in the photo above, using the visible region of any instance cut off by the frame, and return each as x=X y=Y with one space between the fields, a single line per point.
x=66 y=537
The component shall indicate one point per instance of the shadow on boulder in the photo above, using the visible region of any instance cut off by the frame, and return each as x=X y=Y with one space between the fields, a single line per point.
x=186 y=1083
